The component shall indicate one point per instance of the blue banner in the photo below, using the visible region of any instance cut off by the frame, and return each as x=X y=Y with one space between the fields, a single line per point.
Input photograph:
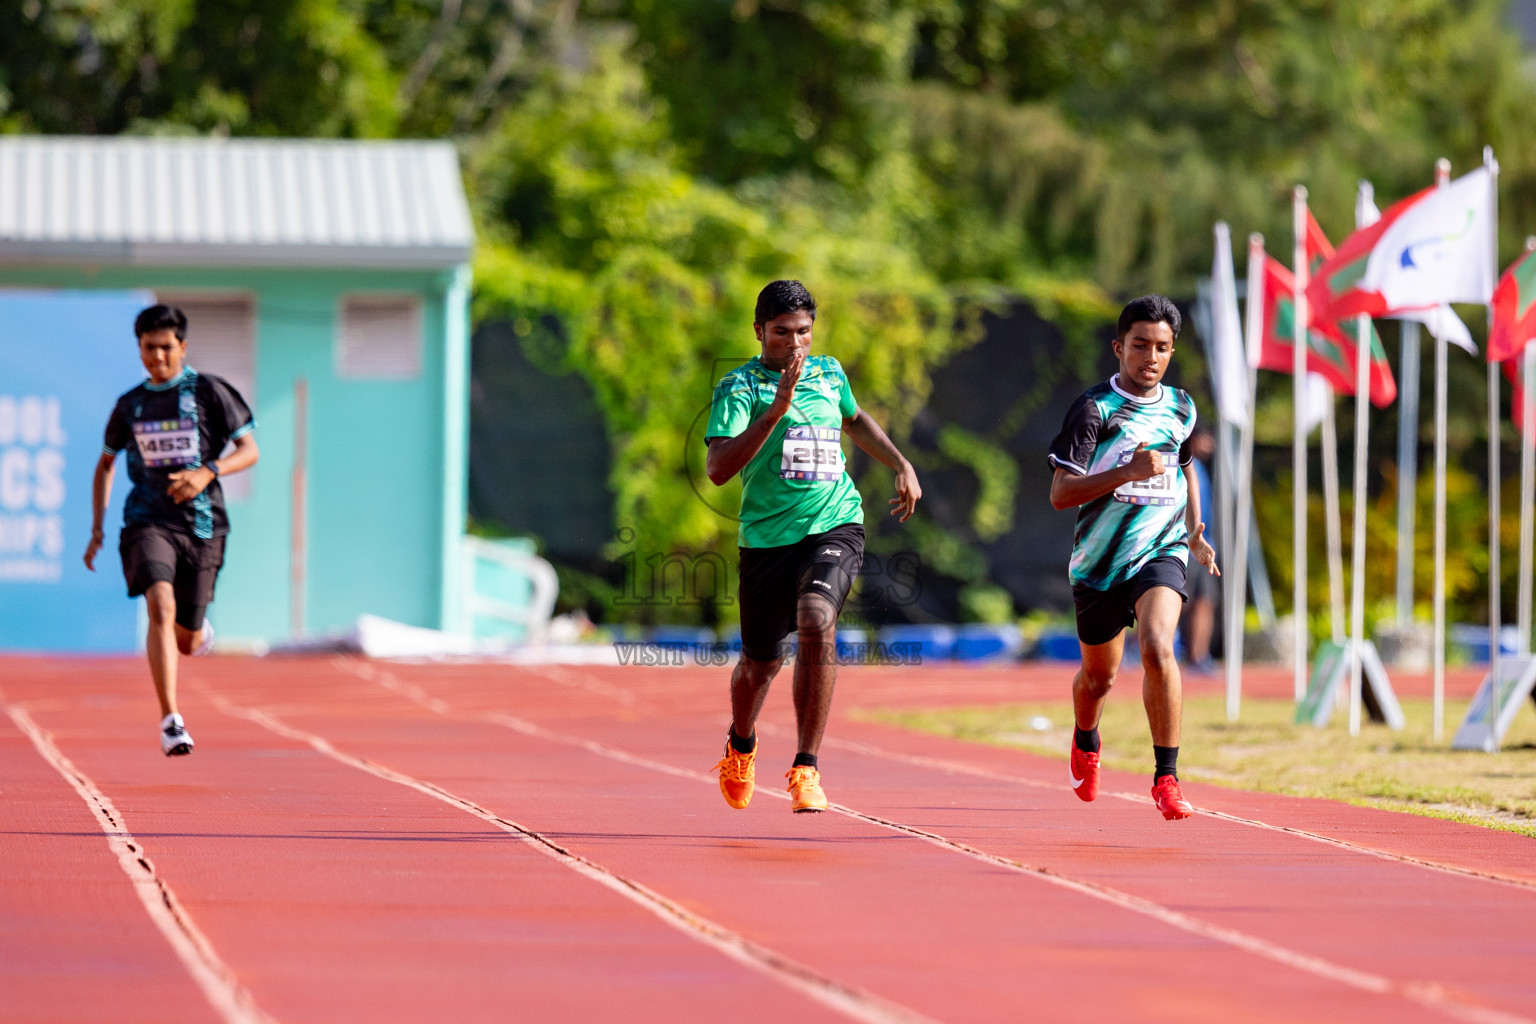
x=65 y=357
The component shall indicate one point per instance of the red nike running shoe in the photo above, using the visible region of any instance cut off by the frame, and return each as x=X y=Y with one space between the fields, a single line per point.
x=1085 y=774
x=1169 y=799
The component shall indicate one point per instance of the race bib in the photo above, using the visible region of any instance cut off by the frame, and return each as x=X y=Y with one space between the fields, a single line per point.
x=812 y=453
x=166 y=442
x=1157 y=490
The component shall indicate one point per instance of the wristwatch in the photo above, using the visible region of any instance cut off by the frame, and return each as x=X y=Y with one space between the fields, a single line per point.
x=213 y=467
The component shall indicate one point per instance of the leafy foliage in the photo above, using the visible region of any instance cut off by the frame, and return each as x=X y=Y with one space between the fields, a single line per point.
x=651 y=275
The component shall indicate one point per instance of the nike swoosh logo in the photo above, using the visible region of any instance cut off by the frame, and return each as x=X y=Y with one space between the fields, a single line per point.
x=1076 y=782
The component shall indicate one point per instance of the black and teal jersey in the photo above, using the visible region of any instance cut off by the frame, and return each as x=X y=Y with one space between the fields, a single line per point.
x=165 y=428
x=1124 y=530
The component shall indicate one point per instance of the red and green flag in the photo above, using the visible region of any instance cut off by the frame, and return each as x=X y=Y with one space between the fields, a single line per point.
x=1514 y=310
x=1330 y=350
x=1514 y=324
x=1383 y=386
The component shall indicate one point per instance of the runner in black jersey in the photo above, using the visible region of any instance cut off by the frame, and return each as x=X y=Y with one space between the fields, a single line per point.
x=1117 y=460
x=174 y=427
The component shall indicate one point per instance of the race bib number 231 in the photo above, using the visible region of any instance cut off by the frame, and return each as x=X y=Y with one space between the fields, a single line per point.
x=1156 y=490
x=812 y=453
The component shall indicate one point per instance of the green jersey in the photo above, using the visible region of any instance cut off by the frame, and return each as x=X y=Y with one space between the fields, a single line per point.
x=1136 y=522
x=798 y=483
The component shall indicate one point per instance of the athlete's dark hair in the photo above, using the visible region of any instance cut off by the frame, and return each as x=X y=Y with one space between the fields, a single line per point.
x=161 y=318
x=1149 y=309
x=780 y=297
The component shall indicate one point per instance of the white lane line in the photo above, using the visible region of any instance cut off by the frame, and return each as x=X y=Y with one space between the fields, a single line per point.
x=961 y=768
x=229 y=999
x=851 y=1000
x=1429 y=994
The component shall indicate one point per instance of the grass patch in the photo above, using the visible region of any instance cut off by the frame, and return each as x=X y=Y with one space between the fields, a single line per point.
x=1266 y=751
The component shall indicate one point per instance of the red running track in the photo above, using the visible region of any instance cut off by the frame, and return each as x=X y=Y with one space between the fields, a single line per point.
x=358 y=841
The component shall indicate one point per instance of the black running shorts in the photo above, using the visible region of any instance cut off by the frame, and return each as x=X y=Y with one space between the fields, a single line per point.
x=772 y=580
x=154 y=554
x=1102 y=614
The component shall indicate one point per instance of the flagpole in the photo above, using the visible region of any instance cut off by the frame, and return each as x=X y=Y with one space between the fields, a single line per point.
x=1237 y=606
x=1331 y=511
x=1407 y=468
x=1299 y=443
x=1442 y=177
x=1527 y=485
x=1493 y=461
x=1357 y=553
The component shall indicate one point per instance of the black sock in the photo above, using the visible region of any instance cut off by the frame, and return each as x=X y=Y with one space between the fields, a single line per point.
x=1167 y=762
x=741 y=746
x=1087 y=740
x=808 y=760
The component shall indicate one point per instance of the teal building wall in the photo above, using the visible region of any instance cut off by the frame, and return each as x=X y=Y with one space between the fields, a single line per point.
x=386 y=458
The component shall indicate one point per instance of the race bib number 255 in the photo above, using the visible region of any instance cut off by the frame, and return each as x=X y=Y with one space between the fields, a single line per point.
x=1156 y=490
x=166 y=442
x=812 y=453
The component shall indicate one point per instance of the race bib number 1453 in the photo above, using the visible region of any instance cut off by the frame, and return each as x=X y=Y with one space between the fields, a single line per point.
x=1157 y=490
x=812 y=453
x=166 y=442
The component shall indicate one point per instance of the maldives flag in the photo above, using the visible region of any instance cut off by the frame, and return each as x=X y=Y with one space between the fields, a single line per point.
x=1330 y=350
x=1514 y=310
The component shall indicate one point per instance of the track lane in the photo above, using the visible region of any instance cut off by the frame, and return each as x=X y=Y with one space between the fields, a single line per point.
x=970 y=911
x=338 y=897
x=699 y=692
x=75 y=940
x=1346 y=906
x=610 y=813
x=846 y=999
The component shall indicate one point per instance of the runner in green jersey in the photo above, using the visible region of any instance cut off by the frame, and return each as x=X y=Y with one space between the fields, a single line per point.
x=778 y=420
x=1117 y=461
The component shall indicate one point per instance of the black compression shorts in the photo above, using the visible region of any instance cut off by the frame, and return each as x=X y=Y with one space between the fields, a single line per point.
x=154 y=554
x=772 y=580
x=1102 y=614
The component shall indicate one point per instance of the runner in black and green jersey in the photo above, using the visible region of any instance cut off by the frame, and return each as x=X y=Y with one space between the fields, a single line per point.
x=1117 y=460
x=174 y=428
x=778 y=420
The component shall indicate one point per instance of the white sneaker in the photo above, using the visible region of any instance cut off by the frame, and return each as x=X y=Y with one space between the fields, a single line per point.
x=207 y=642
x=174 y=738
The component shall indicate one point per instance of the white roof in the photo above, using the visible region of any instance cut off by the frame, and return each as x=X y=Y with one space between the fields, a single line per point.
x=231 y=202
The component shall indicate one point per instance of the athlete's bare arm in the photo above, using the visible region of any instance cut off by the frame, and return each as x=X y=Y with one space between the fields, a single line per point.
x=1069 y=490
x=1199 y=548
x=866 y=433
x=101 y=494
x=730 y=455
x=189 y=483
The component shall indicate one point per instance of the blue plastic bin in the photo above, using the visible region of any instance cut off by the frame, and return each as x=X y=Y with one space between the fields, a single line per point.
x=1057 y=645
x=933 y=643
x=986 y=642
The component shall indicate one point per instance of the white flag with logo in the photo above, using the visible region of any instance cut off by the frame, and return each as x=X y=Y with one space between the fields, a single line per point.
x=1441 y=321
x=1438 y=250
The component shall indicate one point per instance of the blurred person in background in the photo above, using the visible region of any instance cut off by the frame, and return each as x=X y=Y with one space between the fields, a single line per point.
x=1200 y=610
